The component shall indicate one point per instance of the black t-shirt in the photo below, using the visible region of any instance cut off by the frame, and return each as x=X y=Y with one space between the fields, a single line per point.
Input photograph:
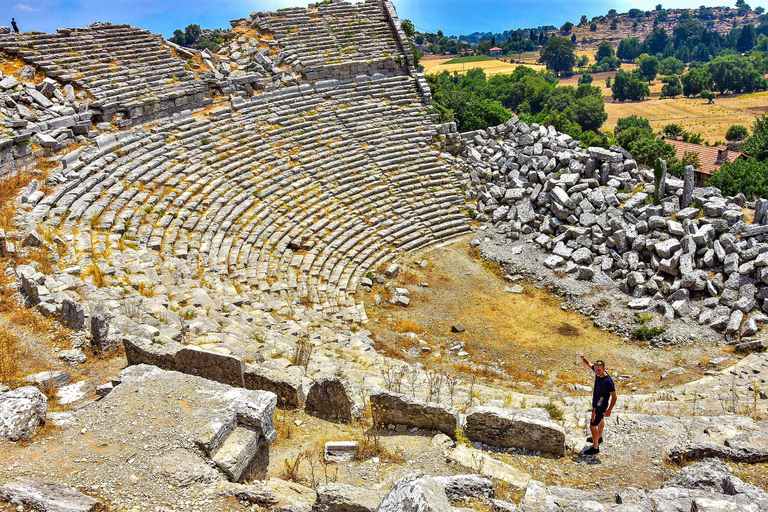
x=602 y=392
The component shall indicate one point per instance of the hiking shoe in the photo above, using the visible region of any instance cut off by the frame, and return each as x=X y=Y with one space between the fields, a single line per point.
x=592 y=451
x=599 y=441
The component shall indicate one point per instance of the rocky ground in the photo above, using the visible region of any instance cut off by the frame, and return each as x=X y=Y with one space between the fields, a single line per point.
x=599 y=299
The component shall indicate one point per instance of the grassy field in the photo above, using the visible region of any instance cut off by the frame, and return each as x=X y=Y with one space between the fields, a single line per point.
x=438 y=64
x=473 y=58
x=694 y=114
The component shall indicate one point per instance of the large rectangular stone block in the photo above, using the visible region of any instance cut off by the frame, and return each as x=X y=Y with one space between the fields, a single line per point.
x=515 y=429
x=210 y=365
x=289 y=391
x=393 y=408
x=144 y=351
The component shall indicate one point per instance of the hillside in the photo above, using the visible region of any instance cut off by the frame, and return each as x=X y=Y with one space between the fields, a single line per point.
x=722 y=22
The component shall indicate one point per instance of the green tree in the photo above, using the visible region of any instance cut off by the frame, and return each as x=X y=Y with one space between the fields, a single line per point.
x=695 y=81
x=590 y=112
x=636 y=89
x=191 y=33
x=633 y=121
x=558 y=55
x=747 y=38
x=749 y=177
x=629 y=49
x=567 y=27
x=585 y=78
x=604 y=49
x=672 y=86
x=656 y=41
x=708 y=95
x=736 y=133
x=733 y=73
x=614 y=24
x=756 y=145
x=646 y=151
x=630 y=135
x=178 y=37
x=628 y=86
x=630 y=129
x=408 y=28
x=620 y=84
x=671 y=66
x=688 y=32
x=593 y=26
x=673 y=130
x=648 y=67
x=583 y=21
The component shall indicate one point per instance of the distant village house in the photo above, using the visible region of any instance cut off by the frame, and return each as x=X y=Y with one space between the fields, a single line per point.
x=495 y=51
x=710 y=157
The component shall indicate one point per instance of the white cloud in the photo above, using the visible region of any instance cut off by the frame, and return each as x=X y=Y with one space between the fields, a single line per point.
x=24 y=7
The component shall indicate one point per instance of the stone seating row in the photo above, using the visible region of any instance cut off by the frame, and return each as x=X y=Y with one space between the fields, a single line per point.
x=214 y=220
x=124 y=69
x=334 y=33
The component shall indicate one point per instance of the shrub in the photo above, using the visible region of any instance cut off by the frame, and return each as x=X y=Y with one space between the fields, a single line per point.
x=749 y=177
x=645 y=333
x=555 y=413
x=736 y=133
x=646 y=151
x=756 y=145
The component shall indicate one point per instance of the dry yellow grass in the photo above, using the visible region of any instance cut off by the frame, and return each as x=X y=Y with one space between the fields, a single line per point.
x=406 y=325
x=693 y=114
x=491 y=67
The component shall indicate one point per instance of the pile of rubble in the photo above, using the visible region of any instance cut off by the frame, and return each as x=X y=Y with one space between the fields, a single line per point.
x=692 y=255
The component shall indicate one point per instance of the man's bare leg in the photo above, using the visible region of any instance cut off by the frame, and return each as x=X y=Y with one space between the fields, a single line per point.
x=600 y=427
x=596 y=433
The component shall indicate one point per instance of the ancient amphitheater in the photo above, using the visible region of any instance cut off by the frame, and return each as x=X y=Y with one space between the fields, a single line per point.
x=215 y=214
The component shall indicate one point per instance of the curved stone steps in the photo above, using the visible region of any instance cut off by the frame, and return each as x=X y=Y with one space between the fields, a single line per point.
x=253 y=199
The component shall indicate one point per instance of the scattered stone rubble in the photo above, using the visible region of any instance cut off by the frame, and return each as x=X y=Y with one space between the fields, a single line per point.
x=691 y=256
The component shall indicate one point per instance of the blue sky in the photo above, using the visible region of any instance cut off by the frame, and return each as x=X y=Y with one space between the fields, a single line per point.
x=452 y=16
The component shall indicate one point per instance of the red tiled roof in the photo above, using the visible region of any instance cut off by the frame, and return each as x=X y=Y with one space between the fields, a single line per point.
x=707 y=154
x=495 y=48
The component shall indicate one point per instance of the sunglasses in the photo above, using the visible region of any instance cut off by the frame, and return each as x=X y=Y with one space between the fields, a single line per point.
x=599 y=363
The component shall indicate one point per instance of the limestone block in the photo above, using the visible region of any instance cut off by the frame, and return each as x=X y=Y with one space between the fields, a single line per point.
x=210 y=365
x=289 y=391
x=337 y=497
x=514 y=429
x=47 y=496
x=393 y=408
x=21 y=412
x=415 y=492
x=333 y=399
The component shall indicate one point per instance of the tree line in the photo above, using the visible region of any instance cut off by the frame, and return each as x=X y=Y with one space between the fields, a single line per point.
x=475 y=102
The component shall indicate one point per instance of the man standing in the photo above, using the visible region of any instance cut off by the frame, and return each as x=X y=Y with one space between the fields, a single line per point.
x=603 y=390
x=14 y=25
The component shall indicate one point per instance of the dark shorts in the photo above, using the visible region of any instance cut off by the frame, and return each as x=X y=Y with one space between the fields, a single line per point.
x=597 y=417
